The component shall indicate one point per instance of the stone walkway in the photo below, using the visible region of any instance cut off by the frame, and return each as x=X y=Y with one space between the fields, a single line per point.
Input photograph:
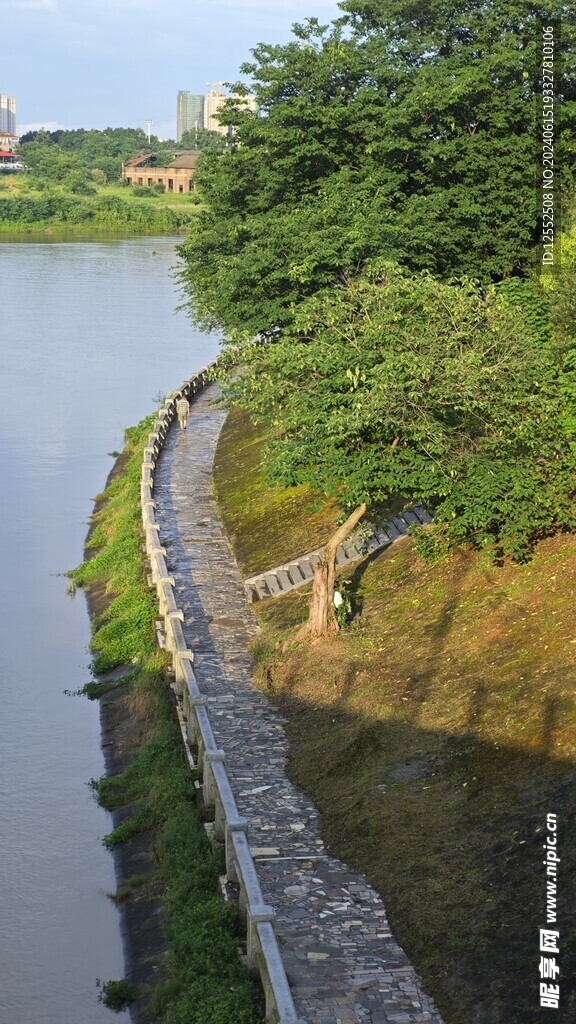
x=343 y=964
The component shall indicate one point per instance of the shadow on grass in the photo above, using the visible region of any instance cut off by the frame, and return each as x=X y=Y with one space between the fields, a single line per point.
x=450 y=830
x=438 y=634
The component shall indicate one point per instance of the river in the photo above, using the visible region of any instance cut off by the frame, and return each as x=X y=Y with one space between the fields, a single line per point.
x=89 y=337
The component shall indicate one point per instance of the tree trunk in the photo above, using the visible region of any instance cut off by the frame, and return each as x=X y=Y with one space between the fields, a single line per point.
x=321 y=617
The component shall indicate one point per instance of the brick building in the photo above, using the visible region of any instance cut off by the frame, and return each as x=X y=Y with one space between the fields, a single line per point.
x=177 y=176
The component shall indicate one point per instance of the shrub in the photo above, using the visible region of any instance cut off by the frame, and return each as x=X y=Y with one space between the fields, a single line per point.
x=117 y=995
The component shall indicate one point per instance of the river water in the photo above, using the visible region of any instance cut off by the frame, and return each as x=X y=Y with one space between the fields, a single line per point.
x=89 y=337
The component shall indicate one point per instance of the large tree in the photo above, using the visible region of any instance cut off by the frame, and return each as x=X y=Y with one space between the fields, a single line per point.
x=404 y=129
x=395 y=151
x=396 y=384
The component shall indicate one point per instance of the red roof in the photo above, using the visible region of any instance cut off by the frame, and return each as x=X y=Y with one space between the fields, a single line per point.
x=11 y=155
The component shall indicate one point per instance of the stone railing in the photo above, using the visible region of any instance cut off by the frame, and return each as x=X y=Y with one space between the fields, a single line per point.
x=207 y=759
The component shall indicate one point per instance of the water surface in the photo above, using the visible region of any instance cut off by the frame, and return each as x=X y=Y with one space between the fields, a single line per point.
x=89 y=337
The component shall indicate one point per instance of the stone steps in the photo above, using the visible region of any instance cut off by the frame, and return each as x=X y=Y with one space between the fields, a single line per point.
x=365 y=540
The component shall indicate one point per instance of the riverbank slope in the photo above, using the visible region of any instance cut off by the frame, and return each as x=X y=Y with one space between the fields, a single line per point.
x=434 y=734
x=182 y=937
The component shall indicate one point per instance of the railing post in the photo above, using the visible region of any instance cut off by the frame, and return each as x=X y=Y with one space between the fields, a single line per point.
x=263 y=952
x=210 y=757
x=255 y=915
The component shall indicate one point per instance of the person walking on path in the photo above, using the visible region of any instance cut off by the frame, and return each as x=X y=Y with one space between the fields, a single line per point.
x=183 y=410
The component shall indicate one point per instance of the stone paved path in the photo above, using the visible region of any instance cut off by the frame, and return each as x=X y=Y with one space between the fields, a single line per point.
x=342 y=962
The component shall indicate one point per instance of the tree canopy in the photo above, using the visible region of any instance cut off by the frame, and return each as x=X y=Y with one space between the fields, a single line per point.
x=378 y=221
x=203 y=138
x=398 y=384
x=403 y=130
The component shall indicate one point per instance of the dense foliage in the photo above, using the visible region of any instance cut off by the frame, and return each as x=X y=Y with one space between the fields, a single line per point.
x=70 y=156
x=108 y=212
x=403 y=130
x=399 y=384
x=379 y=222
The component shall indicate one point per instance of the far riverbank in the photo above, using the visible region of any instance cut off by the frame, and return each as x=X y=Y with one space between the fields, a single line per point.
x=109 y=209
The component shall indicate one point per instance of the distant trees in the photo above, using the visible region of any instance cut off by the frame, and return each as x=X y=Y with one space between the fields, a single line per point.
x=203 y=138
x=54 y=155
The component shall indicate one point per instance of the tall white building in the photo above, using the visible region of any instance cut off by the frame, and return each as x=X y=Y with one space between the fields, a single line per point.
x=212 y=103
x=7 y=114
x=247 y=101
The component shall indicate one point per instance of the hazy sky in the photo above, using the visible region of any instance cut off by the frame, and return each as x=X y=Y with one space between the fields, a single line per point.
x=94 y=63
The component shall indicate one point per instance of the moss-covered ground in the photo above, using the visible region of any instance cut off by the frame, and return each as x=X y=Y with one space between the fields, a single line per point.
x=267 y=524
x=435 y=733
x=200 y=974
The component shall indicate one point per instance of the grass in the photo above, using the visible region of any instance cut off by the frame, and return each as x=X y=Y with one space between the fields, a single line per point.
x=129 y=888
x=25 y=210
x=268 y=525
x=168 y=200
x=435 y=733
x=155 y=793
x=124 y=632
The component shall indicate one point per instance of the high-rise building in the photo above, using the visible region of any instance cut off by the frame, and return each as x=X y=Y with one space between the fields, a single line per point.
x=214 y=101
x=249 y=102
x=190 y=113
x=7 y=114
x=212 y=104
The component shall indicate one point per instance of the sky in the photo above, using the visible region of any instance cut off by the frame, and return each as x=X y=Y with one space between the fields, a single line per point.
x=100 y=63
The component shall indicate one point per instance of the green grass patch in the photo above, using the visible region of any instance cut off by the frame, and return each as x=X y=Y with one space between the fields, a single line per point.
x=94 y=690
x=435 y=733
x=110 y=209
x=206 y=980
x=131 y=886
x=267 y=524
x=124 y=632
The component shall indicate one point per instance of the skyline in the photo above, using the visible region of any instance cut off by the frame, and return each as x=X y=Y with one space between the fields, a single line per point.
x=80 y=63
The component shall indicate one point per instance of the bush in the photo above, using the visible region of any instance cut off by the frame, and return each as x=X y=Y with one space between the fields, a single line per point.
x=117 y=995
